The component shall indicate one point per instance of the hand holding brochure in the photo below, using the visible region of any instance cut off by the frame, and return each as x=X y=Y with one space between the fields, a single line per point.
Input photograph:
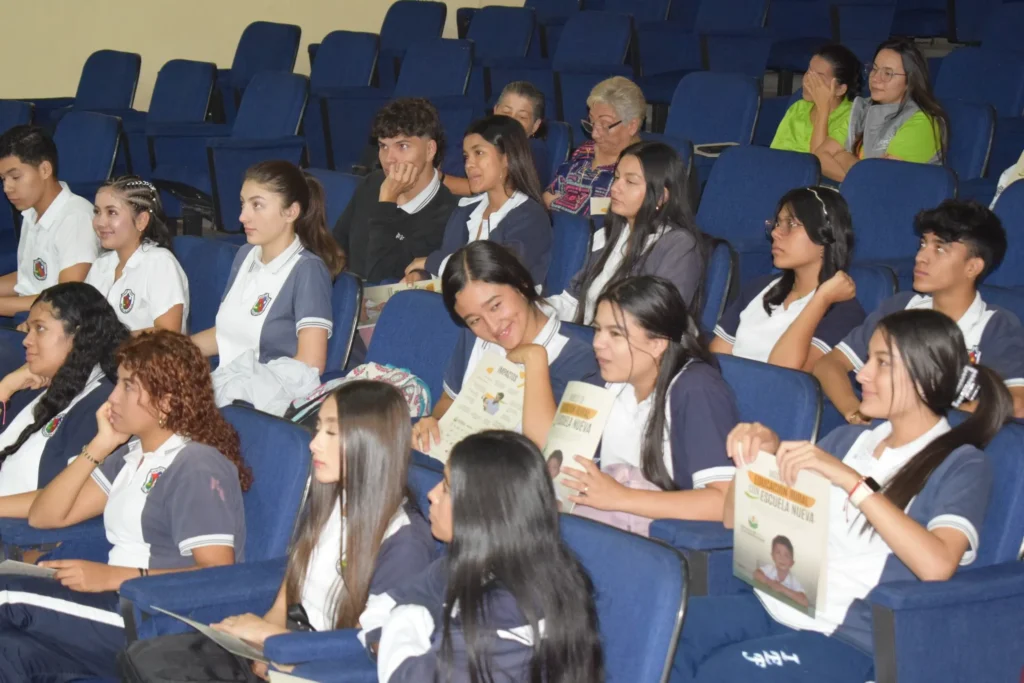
x=14 y=568
x=781 y=533
x=232 y=644
x=374 y=298
x=579 y=422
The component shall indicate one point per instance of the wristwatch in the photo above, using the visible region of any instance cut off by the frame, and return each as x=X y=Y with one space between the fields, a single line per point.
x=864 y=488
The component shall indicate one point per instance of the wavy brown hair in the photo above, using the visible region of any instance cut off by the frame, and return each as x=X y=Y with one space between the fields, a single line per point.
x=174 y=373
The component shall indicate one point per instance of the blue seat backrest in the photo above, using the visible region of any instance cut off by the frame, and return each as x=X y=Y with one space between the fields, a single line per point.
x=1002 y=85
x=718 y=282
x=207 y=264
x=569 y=248
x=559 y=143
x=108 y=81
x=435 y=68
x=583 y=333
x=758 y=386
x=271 y=107
x=264 y=46
x=182 y=92
x=338 y=190
x=421 y=480
x=501 y=32
x=414 y=332
x=14 y=113
x=640 y=10
x=640 y=589
x=971 y=129
x=875 y=284
x=86 y=146
x=346 y=297
x=277 y=451
x=1010 y=209
x=583 y=31
x=1004 y=27
x=728 y=110
x=553 y=10
x=409 y=21
x=884 y=195
x=730 y=15
x=344 y=59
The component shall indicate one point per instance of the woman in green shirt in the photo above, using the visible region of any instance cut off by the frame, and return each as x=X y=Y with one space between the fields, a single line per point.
x=902 y=119
x=833 y=79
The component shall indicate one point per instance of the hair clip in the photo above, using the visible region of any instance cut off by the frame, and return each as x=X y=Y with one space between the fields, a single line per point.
x=967 y=388
x=821 y=201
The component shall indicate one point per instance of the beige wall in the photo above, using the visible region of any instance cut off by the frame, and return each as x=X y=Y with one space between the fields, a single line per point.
x=46 y=43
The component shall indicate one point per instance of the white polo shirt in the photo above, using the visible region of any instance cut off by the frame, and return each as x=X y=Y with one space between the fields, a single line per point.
x=426 y=195
x=151 y=283
x=60 y=238
x=789 y=582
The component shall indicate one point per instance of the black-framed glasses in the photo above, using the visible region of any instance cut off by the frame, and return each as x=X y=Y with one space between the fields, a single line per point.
x=885 y=74
x=589 y=126
x=784 y=227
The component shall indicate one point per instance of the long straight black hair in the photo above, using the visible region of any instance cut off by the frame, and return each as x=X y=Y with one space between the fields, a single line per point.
x=663 y=173
x=506 y=537
x=508 y=136
x=657 y=307
x=826 y=220
x=935 y=355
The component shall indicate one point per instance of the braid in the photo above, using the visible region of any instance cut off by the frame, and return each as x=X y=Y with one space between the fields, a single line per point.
x=143 y=197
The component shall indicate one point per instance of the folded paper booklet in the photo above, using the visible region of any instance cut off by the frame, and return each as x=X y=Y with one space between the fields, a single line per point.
x=15 y=568
x=577 y=429
x=232 y=644
x=491 y=398
x=780 y=539
x=374 y=298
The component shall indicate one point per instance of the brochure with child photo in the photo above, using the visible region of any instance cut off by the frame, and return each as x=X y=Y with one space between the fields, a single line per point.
x=374 y=298
x=232 y=644
x=780 y=539
x=491 y=398
x=579 y=422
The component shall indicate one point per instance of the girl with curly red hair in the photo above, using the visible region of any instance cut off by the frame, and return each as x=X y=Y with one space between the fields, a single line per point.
x=166 y=471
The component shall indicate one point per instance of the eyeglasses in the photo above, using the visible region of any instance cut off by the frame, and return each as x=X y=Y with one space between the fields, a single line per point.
x=884 y=74
x=784 y=227
x=589 y=126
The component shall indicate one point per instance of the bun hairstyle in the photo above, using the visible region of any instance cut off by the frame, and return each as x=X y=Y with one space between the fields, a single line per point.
x=141 y=196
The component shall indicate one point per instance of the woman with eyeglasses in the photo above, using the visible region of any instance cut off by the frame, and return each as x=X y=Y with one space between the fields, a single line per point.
x=795 y=318
x=901 y=120
x=617 y=108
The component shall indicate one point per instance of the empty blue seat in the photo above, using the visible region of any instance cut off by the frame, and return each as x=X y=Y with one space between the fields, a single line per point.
x=721 y=278
x=551 y=18
x=1004 y=26
x=971 y=130
x=641 y=10
x=207 y=264
x=338 y=191
x=346 y=301
x=406 y=22
x=922 y=18
x=800 y=28
x=974 y=74
x=87 y=145
x=108 y=82
x=497 y=33
x=971 y=18
x=263 y=46
x=862 y=26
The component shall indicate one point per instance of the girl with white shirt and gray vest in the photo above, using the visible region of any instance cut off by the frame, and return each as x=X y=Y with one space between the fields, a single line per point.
x=359 y=536
x=171 y=500
x=650 y=230
x=908 y=500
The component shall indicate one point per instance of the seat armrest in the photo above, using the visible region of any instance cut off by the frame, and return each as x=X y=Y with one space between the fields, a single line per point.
x=296 y=648
x=692 y=535
x=18 y=532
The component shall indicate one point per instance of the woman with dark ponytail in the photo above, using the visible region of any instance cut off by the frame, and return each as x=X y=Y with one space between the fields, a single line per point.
x=275 y=317
x=908 y=500
x=663 y=451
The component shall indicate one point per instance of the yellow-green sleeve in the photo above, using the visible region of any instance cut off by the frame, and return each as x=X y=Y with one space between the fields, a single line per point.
x=917 y=140
x=839 y=122
x=794 y=132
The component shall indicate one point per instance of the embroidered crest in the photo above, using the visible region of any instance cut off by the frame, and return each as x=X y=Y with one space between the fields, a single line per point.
x=974 y=355
x=39 y=269
x=261 y=304
x=127 y=300
x=52 y=425
x=151 y=478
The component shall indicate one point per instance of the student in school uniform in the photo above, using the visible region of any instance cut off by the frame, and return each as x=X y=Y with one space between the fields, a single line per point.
x=171 y=500
x=275 y=318
x=506 y=207
x=57 y=241
x=491 y=295
x=794 y=319
x=961 y=243
x=510 y=602
x=69 y=349
x=138 y=274
x=343 y=554
x=908 y=501
x=662 y=451
x=650 y=230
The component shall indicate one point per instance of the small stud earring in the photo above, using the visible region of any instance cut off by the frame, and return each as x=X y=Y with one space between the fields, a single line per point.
x=162 y=422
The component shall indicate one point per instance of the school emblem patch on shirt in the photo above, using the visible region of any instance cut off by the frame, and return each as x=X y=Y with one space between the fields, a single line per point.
x=127 y=300
x=39 y=269
x=52 y=425
x=974 y=355
x=261 y=304
x=151 y=479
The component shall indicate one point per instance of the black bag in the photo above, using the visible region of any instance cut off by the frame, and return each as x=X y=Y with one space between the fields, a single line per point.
x=184 y=658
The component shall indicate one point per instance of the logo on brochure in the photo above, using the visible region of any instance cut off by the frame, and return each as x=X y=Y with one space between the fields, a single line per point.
x=752 y=521
x=261 y=304
x=127 y=300
x=39 y=269
x=974 y=355
x=52 y=425
x=151 y=479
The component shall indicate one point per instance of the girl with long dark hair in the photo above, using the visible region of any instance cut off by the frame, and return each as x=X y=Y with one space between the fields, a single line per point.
x=663 y=448
x=171 y=500
x=509 y=602
x=506 y=205
x=69 y=349
x=794 y=319
x=650 y=230
x=359 y=536
x=492 y=296
x=138 y=274
x=907 y=503
x=901 y=120
x=275 y=316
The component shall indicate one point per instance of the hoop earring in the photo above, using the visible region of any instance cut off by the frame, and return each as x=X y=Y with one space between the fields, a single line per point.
x=162 y=422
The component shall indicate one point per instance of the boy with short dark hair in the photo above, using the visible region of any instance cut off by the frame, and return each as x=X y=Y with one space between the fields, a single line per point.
x=57 y=242
x=961 y=243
